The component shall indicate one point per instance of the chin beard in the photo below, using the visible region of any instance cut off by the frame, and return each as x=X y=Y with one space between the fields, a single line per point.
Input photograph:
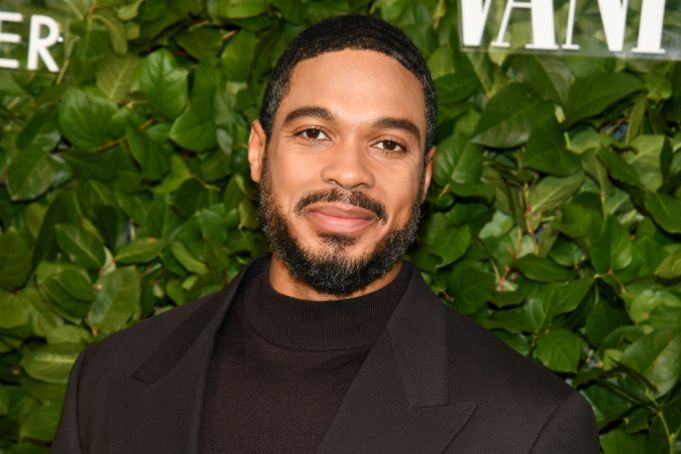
x=333 y=271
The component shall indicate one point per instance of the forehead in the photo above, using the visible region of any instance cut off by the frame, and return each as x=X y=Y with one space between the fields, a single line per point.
x=362 y=85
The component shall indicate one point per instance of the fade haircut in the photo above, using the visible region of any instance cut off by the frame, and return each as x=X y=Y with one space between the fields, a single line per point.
x=349 y=32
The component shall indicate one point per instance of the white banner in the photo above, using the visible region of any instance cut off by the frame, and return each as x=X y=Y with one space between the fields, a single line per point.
x=636 y=28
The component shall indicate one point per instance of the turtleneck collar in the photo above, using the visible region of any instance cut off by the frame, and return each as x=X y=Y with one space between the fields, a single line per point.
x=292 y=323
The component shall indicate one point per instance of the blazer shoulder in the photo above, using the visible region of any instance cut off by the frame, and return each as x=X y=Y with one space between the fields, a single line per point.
x=497 y=368
x=512 y=392
x=126 y=349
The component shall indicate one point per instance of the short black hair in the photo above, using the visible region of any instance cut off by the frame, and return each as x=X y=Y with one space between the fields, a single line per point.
x=349 y=32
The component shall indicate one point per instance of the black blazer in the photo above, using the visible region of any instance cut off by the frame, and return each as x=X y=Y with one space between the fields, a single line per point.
x=433 y=382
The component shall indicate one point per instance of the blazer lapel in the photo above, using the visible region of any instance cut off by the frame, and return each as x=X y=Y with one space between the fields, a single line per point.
x=399 y=402
x=158 y=407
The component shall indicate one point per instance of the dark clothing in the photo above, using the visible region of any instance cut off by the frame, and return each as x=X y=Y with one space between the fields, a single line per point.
x=434 y=381
x=281 y=366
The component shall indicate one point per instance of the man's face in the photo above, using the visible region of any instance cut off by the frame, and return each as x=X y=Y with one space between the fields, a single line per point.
x=344 y=169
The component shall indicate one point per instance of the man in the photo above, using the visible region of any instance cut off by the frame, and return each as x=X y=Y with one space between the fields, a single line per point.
x=332 y=345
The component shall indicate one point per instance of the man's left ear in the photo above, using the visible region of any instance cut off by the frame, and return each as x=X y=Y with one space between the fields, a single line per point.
x=428 y=171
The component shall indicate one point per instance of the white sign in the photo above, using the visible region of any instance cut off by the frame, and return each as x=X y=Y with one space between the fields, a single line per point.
x=44 y=33
x=642 y=25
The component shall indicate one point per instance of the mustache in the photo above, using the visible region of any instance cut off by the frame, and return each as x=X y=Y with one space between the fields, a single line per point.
x=354 y=198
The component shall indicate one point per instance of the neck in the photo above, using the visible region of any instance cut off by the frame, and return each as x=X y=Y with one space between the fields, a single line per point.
x=285 y=283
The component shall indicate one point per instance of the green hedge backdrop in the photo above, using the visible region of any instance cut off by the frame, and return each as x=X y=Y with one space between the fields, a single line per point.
x=554 y=218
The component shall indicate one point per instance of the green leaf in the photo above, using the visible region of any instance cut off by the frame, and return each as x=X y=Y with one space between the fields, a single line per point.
x=50 y=363
x=559 y=350
x=179 y=173
x=238 y=56
x=613 y=250
x=115 y=74
x=80 y=245
x=606 y=405
x=657 y=356
x=470 y=286
x=619 y=168
x=76 y=282
x=117 y=300
x=457 y=160
x=141 y=250
x=187 y=259
x=41 y=423
x=4 y=401
x=68 y=334
x=15 y=260
x=550 y=300
x=441 y=62
x=582 y=217
x=593 y=167
x=90 y=165
x=455 y=87
x=670 y=267
x=510 y=116
x=650 y=158
x=541 y=269
x=13 y=309
x=201 y=43
x=592 y=95
x=117 y=31
x=41 y=131
x=85 y=119
x=30 y=174
x=619 y=442
x=239 y=9
x=552 y=192
x=194 y=129
x=148 y=153
x=648 y=300
x=445 y=241
x=566 y=253
x=665 y=209
x=546 y=74
x=546 y=150
x=248 y=218
x=602 y=320
x=47 y=277
x=164 y=83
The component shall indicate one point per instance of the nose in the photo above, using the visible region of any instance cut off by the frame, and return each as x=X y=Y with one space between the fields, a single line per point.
x=348 y=167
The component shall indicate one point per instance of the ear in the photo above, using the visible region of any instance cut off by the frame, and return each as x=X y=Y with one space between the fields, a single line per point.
x=257 y=143
x=428 y=170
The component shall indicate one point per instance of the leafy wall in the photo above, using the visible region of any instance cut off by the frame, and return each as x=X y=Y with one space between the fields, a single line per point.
x=554 y=218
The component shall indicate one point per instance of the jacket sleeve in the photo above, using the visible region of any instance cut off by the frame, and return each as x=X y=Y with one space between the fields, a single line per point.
x=67 y=438
x=571 y=429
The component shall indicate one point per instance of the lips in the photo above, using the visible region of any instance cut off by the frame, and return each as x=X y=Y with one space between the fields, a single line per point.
x=339 y=218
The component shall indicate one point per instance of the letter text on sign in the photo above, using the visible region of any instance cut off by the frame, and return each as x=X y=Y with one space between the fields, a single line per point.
x=12 y=38
x=37 y=45
x=603 y=27
x=543 y=30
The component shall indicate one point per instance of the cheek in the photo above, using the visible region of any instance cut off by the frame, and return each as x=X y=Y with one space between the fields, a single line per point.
x=401 y=188
x=289 y=183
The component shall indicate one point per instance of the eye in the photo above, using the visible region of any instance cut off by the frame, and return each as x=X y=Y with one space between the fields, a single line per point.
x=391 y=146
x=313 y=134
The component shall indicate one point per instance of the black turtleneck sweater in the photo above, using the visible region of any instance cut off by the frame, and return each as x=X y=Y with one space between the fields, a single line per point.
x=281 y=366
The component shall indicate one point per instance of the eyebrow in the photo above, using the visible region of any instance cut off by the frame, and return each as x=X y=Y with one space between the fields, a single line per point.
x=398 y=123
x=382 y=123
x=307 y=112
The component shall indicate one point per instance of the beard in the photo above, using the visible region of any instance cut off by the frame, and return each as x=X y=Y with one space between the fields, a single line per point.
x=333 y=271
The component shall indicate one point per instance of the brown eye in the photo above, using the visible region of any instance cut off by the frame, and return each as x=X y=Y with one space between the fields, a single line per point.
x=314 y=134
x=391 y=145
